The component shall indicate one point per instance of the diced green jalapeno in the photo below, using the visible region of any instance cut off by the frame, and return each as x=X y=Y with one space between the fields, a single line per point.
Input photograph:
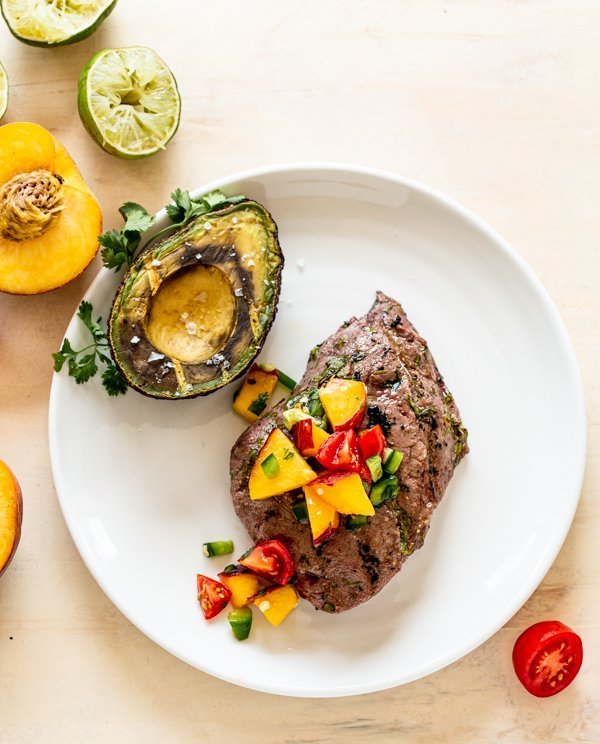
x=270 y=466
x=393 y=460
x=292 y=415
x=219 y=547
x=286 y=381
x=300 y=510
x=384 y=490
x=355 y=522
x=374 y=465
x=241 y=622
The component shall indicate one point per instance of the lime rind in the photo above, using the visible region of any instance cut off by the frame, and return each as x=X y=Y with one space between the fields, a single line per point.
x=50 y=23
x=3 y=91
x=129 y=102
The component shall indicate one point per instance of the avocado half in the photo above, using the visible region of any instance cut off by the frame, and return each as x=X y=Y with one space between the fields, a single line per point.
x=194 y=310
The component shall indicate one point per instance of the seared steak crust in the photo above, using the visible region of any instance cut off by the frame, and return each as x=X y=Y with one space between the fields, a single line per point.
x=408 y=398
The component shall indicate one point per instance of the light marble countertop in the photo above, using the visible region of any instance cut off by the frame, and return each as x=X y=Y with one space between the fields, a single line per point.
x=494 y=102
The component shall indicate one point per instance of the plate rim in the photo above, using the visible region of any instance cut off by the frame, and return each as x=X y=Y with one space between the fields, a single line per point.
x=567 y=352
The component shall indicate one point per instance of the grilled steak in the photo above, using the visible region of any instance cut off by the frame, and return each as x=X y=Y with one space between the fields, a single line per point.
x=408 y=398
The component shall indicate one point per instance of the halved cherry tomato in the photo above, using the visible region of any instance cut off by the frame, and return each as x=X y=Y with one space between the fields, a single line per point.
x=340 y=452
x=547 y=657
x=371 y=441
x=212 y=595
x=271 y=560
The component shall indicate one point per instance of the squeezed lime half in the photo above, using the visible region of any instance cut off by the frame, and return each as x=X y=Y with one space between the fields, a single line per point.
x=129 y=102
x=3 y=91
x=54 y=22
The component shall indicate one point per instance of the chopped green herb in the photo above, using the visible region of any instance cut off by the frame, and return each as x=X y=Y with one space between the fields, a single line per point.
x=287 y=453
x=314 y=405
x=405 y=523
x=258 y=406
x=313 y=352
x=219 y=547
x=332 y=367
x=270 y=466
x=419 y=412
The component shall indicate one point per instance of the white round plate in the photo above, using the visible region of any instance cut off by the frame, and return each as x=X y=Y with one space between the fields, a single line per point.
x=143 y=483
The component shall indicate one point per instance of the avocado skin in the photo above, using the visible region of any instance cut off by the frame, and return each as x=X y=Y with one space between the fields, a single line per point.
x=182 y=240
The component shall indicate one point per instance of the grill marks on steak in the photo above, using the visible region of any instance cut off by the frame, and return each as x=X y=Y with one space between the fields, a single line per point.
x=408 y=398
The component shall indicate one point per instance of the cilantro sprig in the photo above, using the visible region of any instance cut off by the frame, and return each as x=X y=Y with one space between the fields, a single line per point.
x=120 y=247
x=82 y=364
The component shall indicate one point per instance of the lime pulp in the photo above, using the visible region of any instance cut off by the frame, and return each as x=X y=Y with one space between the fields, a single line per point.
x=3 y=91
x=44 y=23
x=129 y=102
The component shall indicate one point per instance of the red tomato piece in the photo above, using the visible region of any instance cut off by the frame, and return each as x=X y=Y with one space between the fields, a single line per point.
x=271 y=560
x=547 y=657
x=371 y=441
x=212 y=595
x=365 y=475
x=340 y=452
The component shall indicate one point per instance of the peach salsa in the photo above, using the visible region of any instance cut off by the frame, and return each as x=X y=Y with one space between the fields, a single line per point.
x=340 y=471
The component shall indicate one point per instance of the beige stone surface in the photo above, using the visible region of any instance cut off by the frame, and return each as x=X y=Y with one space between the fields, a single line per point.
x=494 y=102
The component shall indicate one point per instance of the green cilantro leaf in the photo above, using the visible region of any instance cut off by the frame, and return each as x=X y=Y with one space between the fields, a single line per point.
x=113 y=380
x=137 y=219
x=118 y=248
x=214 y=199
x=82 y=364
x=84 y=313
x=180 y=206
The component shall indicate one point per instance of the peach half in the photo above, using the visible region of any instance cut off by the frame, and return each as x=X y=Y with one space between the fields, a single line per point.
x=11 y=515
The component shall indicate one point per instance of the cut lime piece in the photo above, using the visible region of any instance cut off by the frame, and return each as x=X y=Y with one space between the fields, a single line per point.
x=129 y=102
x=3 y=91
x=54 y=22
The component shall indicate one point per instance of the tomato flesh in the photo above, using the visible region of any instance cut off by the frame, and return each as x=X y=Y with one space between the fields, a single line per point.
x=340 y=452
x=547 y=657
x=212 y=595
x=371 y=441
x=271 y=560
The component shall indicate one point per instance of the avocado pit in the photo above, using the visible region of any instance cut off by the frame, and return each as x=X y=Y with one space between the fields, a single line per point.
x=203 y=328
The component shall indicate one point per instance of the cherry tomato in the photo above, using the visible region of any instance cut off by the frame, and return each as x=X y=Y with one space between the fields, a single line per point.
x=547 y=657
x=271 y=560
x=212 y=595
x=340 y=452
x=371 y=441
